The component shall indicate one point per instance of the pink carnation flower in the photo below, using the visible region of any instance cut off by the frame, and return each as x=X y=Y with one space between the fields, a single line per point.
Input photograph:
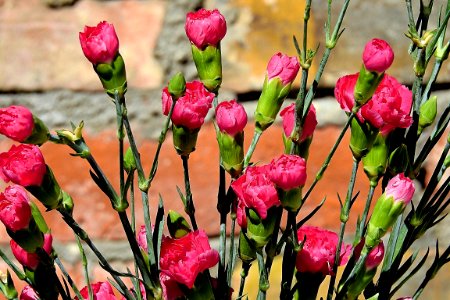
x=100 y=291
x=142 y=238
x=288 y=117
x=389 y=107
x=23 y=165
x=319 y=250
x=30 y=260
x=28 y=293
x=184 y=258
x=288 y=172
x=16 y=122
x=254 y=189
x=231 y=117
x=170 y=288
x=401 y=188
x=283 y=67
x=100 y=43
x=191 y=109
x=205 y=27
x=15 y=210
x=378 y=55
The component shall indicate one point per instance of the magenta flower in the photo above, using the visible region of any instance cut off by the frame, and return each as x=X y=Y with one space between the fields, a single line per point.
x=389 y=107
x=375 y=256
x=170 y=288
x=100 y=44
x=15 y=210
x=205 y=27
x=23 y=165
x=283 y=67
x=254 y=189
x=142 y=239
x=378 y=55
x=231 y=117
x=191 y=109
x=28 y=293
x=184 y=258
x=100 y=290
x=288 y=117
x=401 y=188
x=30 y=260
x=319 y=250
x=16 y=122
x=288 y=172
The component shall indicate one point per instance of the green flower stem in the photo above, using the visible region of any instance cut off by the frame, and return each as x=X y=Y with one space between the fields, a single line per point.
x=223 y=210
x=272 y=245
x=231 y=257
x=120 y=135
x=189 y=206
x=132 y=205
x=345 y=211
x=328 y=159
x=330 y=44
x=244 y=274
x=433 y=77
x=104 y=263
x=360 y=231
x=162 y=138
x=289 y=254
x=251 y=149
x=263 y=279
x=84 y=262
x=68 y=278
x=14 y=267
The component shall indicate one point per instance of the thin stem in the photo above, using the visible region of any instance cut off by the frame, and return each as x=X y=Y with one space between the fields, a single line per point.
x=85 y=268
x=433 y=77
x=189 y=207
x=263 y=280
x=251 y=149
x=85 y=237
x=244 y=274
x=68 y=278
x=362 y=223
x=345 y=211
x=224 y=208
x=232 y=249
x=328 y=158
x=271 y=247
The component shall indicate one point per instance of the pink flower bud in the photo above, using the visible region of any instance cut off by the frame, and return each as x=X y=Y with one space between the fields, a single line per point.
x=23 y=165
x=378 y=55
x=375 y=256
x=15 y=211
x=142 y=238
x=319 y=250
x=401 y=188
x=344 y=91
x=28 y=294
x=231 y=117
x=288 y=116
x=283 y=67
x=16 y=122
x=100 y=43
x=184 y=258
x=254 y=189
x=30 y=260
x=205 y=27
x=288 y=172
x=191 y=109
x=100 y=291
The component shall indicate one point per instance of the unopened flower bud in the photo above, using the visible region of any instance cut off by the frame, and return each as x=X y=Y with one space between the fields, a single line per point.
x=427 y=114
x=177 y=85
x=375 y=160
x=129 y=163
x=378 y=55
x=7 y=286
x=398 y=193
x=362 y=138
x=399 y=160
x=177 y=225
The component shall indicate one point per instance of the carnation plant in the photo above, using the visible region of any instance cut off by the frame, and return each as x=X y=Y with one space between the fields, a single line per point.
x=172 y=256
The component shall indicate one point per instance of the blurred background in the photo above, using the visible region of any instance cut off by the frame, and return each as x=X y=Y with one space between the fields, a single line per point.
x=42 y=67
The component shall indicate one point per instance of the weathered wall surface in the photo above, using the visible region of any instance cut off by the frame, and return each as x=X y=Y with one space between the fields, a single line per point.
x=43 y=67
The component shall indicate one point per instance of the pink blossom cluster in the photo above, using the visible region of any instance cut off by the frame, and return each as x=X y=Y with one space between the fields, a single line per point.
x=257 y=187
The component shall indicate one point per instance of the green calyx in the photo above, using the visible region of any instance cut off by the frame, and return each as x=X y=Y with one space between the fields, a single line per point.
x=291 y=200
x=184 y=139
x=362 y=138
x=427 y=114
x=375 y=160
x=247 y=251
x=177 y=85
x=259 y=231
x=365 y=86
x=231 y=152
x=40 y=133
x=270 y=101
x=113 y=76
x=177 y=225
x=208 y=62
x=49 y=192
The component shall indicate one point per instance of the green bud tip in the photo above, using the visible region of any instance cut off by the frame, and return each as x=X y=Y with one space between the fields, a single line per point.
x=177 y=85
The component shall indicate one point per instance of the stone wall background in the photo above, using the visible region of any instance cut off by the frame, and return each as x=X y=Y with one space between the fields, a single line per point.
x=43 y=67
